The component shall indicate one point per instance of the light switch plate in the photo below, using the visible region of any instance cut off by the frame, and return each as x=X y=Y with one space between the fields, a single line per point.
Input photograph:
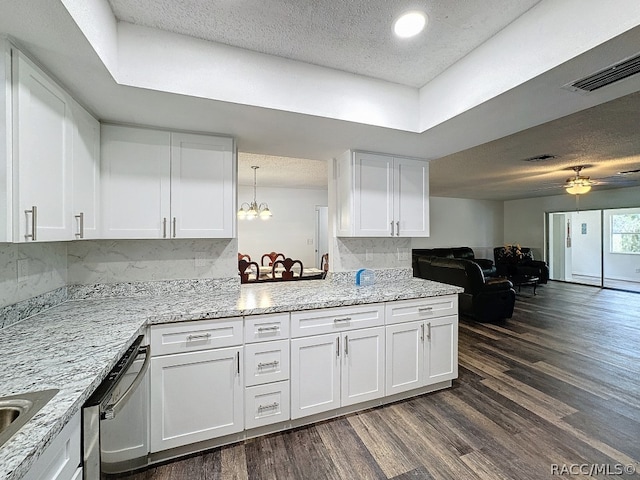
x=403 y=254
x=368 y=255
x=22 y=269
x=201 y=259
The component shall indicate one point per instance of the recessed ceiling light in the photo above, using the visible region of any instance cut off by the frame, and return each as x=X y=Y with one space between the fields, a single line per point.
x=410 y=24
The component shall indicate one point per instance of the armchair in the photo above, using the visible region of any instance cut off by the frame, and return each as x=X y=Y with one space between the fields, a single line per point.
x=510 y=264
x=465 y=253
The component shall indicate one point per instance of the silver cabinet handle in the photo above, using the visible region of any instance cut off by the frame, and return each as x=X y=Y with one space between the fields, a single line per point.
x=174 y=227
x=392 y=229
x=429 y=330
x=422 y=332
x=345 y=319
x=238 y=362
x=164 y=227
x=203 y=336
x=269 y=329
x=268 y=407
x=346 y=344
x=273 y=364
x=397 y=229
x=34 y=223
x=80 y=218
x=338 y=347
x=425 y=309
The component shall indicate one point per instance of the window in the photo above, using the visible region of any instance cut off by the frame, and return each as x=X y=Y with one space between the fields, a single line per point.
x=625 y=233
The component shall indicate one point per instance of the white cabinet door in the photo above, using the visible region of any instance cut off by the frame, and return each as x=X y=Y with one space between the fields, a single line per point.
x=373 y=195
x=135 y=178
x=411 y=197
x=42 y=156
x=202 y=186
x=441 y=349
x=86 y=174
x=61 y=458
x=315 y=375
x=195 y=396
x=405 y=357
x=363 y=365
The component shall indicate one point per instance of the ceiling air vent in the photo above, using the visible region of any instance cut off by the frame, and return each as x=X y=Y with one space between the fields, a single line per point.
x=539 y=158
x=609 y=75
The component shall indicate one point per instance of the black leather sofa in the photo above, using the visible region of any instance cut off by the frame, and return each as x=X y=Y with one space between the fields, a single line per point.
x=524 y=264
x=465 y=253
x=486 y=300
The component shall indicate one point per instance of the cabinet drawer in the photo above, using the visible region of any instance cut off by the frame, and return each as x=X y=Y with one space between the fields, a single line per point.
x=193 y=336
x=329 y=320
x=266 y=362
x=420 y=309
x=261 y=328
x=266 y=404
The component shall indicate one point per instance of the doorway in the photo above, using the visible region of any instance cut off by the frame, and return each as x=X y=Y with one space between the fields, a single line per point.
x=595 y=247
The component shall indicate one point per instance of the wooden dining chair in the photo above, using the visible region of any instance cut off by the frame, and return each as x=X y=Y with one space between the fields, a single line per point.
x=324 y=263
x=272 y=256
x=245 y=269
x=288 y=273
x=244 y=256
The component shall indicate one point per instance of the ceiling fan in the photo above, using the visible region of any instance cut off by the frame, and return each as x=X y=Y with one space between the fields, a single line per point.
x=578 y=184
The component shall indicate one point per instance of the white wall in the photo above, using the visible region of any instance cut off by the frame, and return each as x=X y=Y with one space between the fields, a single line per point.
x=524 y=220
x=460 y=222
x=290 y=228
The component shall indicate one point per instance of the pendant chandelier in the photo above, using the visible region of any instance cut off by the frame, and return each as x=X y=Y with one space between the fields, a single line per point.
x=579 y=184
x=252 y=210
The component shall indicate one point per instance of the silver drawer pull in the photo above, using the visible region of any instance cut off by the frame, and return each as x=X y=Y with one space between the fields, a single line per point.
x=425 y=309
x=34 y=223
x=203 y=336
x=268 y=407
x=345 y=319
x=274 y=328
x=273 y=364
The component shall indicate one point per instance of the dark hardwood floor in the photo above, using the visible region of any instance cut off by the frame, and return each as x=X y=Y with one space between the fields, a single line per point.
x=558 y=384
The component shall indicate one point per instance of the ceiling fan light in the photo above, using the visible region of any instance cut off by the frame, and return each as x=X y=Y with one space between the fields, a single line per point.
x=578 y=188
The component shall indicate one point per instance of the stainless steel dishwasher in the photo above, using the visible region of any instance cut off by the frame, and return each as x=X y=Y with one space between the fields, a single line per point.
x=115 y=433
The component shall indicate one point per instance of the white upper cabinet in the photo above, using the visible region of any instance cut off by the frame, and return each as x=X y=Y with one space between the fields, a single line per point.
x=382 y=196
x=158 y=184
x=85 y=204
x=43 y=132
x=202 y=186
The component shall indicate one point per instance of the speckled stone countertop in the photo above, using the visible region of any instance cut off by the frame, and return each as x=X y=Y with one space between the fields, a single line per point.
x=73 y=346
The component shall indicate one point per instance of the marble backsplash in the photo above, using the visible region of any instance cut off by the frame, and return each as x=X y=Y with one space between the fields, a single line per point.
x=374 y=253
x=112 y=261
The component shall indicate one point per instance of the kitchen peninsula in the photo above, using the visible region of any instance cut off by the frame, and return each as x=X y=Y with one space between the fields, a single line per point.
x=72 y=346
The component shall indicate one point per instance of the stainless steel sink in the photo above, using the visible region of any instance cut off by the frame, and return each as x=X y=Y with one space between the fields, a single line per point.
x=16 y=410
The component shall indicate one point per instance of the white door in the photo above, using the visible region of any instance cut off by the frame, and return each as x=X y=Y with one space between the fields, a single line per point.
x=441 y=351
x=86 y=174
x=42 y=156
x=315 y=374
x=135 y=180
x=195 y=396
x=202 y=186
x=362 y=365
x=373 y=195
x=405 y=357
x=411 y=197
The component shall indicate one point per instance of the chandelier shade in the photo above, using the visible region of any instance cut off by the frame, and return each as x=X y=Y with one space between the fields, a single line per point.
x=249 y=211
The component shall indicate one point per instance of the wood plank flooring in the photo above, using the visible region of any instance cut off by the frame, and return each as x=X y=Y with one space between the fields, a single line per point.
x=559 y=383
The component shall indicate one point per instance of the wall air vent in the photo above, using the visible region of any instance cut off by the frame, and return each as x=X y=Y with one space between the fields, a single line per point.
x=609 y=75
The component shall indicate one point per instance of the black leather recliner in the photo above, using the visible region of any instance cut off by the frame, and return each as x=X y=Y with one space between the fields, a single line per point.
x=466 y=253
x=509 y=266
x=486 y=300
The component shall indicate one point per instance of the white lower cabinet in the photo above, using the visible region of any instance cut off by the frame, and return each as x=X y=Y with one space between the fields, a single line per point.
x=266 y=404
x=61 y=459
x=336 y=370
x=195 y=396
x=421 y=353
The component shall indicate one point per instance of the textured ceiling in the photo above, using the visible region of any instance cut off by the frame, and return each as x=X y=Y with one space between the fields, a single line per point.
x=282 y=171
x=604 y=138
x=354 y=36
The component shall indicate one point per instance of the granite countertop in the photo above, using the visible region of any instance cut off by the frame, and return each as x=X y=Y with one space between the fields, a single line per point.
x=73 y=346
